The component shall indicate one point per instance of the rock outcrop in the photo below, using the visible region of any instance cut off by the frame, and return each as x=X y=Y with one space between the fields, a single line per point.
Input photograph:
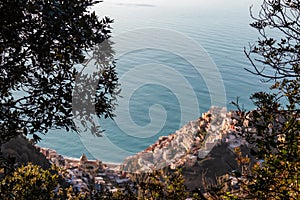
x=194 y=140
x=203 y=148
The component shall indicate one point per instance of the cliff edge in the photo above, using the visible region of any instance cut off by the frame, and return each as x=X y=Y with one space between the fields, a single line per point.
x=203 y=148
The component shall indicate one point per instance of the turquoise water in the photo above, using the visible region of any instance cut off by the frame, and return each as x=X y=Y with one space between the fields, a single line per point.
x=162 y=87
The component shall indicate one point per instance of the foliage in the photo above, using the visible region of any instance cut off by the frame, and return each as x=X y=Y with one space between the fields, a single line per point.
x=127 y=194
x=277 y=58
x=161 y=185
x=29 y=182
x=41 y=43
x=32 y=182
x=273 y=130
x=276 y=121
x=151 y=186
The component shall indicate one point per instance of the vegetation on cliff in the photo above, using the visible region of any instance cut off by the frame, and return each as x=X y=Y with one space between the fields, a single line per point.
x=277 y=118
x=275 y=121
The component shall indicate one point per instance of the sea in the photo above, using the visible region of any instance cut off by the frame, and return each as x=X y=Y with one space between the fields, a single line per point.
x=175 y=59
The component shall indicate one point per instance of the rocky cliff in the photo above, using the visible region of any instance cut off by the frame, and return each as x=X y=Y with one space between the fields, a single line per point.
x=187 y=145
x=203 y=148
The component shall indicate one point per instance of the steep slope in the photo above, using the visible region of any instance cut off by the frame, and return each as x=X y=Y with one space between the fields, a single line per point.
x=24 y=152
x=193 y=140
x=203 y=148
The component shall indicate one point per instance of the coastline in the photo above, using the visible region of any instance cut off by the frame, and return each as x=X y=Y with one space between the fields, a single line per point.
x=112 y=165
x=74 y=158
x=82 y=172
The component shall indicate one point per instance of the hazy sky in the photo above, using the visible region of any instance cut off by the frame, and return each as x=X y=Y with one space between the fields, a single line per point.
x=211 y=5
x=129 y=14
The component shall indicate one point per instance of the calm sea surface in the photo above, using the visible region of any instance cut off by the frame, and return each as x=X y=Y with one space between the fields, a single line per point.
x=165 y=80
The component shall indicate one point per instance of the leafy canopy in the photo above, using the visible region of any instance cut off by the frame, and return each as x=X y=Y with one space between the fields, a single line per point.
x=276 y=121
x=41 y=42
x=29 y=182
x=273 y=130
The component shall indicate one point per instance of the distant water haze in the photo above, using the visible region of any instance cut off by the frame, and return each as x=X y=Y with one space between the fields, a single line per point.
x=165 y=81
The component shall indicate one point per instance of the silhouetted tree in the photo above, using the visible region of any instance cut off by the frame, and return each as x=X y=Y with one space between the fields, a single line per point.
x=276 y=55
x=275 y=122
x=41 y=43
x=278 y=115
